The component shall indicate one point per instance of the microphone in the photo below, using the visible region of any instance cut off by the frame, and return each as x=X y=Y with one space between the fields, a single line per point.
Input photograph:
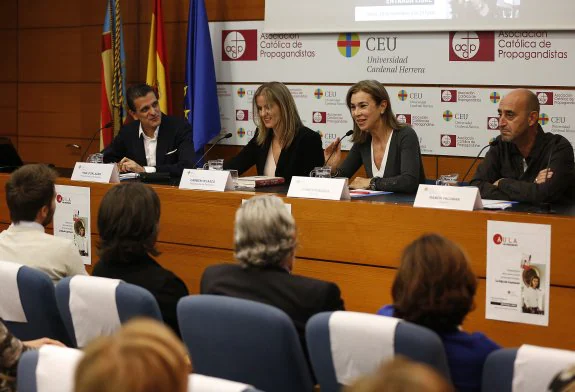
x=226 y=136
x=348 y=133
x=108 y=125
x=492 y=143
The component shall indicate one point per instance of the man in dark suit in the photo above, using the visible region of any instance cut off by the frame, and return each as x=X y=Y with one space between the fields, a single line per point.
x=155 y=142
x=265 y=242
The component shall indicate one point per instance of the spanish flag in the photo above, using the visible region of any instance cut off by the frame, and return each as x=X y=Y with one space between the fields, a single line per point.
x=113 y=70
x=158 y=73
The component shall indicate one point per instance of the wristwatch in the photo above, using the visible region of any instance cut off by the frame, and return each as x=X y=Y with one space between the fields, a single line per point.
x=372 y=183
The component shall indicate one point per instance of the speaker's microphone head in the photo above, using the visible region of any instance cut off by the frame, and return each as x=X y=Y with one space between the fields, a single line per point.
x=108 y=125
x=228 y=135
x=494 y=142
x=349 y=133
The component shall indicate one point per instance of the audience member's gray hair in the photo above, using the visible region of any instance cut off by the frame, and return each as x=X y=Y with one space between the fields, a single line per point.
x=264 y=232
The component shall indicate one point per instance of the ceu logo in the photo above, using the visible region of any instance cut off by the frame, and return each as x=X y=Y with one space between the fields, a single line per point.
x=404 y=118
x=318 y=93
x=241 y=132
x=348 y=44
x=493 y=123
x=448 y=95
x=543 y=119
x=239 y=45
x=494 y=97
x=497 y=239
x=402 y=95
x=447 y=115
x=59 y=198
x=241 y=115
x=241 y=92
x=545 y=97
x=319 y=117
x=471 y=46
x=448 y=141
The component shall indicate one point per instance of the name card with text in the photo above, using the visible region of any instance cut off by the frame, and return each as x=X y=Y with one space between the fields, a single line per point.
x=448 y=197
x=319 y=188
x=96 y=172
x=207 y=180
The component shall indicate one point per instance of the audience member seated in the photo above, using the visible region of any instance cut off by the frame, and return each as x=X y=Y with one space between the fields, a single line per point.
x=265 y=243
x=128 y=222
x=282 y=146
x=10 y=351
x=401 y=375
x=388 y=149
x=434 y=287
x=143 y=356
x=564 y=381
x=31 y=199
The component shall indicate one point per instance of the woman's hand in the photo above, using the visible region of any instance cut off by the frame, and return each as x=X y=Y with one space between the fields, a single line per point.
x=360 y=183
x=36 y=344
x=333 y=150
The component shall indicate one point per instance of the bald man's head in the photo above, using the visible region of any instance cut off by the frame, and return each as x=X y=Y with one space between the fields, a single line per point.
x=518 y=115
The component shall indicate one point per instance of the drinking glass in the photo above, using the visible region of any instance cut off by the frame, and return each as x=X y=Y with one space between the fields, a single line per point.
x=214 y=164
x=447 y=179
x=321 y=172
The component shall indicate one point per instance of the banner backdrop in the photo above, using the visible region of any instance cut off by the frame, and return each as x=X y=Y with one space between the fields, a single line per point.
x=453 y=121
x=448 y=121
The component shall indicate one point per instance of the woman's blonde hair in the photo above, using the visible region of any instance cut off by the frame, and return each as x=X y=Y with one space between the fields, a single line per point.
x=144 y=356
x=290 y=121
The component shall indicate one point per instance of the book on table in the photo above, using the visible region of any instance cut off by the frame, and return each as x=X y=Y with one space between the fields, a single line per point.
x=259 y=181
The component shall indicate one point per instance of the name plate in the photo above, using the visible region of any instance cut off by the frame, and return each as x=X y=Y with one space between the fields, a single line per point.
x=96 y=172
x=448 y=197
x=207 y=180
x=319 y=188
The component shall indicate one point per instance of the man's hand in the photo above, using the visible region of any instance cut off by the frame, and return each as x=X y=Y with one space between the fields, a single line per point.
x=36 y=344
x=543 y=176
x=127 y=165
x=496 y=183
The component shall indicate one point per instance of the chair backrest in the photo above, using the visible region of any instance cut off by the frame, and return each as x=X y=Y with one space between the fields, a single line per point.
x=50 y=369
x=412 y=341
x=38 y=300
x=244 y=341
x=201 y=383
x=528 y=368
x=129 y=301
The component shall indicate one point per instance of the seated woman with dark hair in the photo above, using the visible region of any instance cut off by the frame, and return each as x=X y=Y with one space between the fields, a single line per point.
x=434 y=287
x=128 y=222
x=11 y=349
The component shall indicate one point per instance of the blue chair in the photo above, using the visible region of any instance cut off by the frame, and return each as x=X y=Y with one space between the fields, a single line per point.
x=65 y=359
x=131 y=301
x=244 y=341
x=498 y=370
x=39 y=304
x=410 y=340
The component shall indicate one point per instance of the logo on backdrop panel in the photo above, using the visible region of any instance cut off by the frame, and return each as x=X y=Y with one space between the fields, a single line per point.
x=319 y=117
x=404 y=118
x=545 y=97
x=448 y=95
x=348 y=44
x=242 y=115
x=494 y=97
x=241 y=92
x=402 y=95
x=318 y=93
x=472 y=46
x=448 y=140
x=543 y=119
x=241 y=132
x=447 y=115
x=240 y=45
x=493 y=123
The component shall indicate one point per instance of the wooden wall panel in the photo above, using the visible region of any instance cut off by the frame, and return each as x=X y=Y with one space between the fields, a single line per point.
x=8 y=109
x=8 y=14
x=49 y=150
x=9 y=62
x=58 y=110
x=458 y=165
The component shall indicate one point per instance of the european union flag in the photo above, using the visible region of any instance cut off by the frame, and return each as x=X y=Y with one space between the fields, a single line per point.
x=200 y=92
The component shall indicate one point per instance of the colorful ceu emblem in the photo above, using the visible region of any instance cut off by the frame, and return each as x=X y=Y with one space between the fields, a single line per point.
x=543 y=119
x=241 y=92
x=494 y=97
x=318 y=93
x=348 y=44
x=241 y=132
x=402 y=95
x=447 y=115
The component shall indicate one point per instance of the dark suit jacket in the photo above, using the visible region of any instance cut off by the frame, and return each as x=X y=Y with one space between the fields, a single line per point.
x=298 y=296
x=404 y=168
x=175 y=134
x=145 y=272
x=305 y=153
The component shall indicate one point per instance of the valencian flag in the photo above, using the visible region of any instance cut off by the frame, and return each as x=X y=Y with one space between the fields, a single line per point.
x=113 y=94
x=200 y=92
x=158 y=75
